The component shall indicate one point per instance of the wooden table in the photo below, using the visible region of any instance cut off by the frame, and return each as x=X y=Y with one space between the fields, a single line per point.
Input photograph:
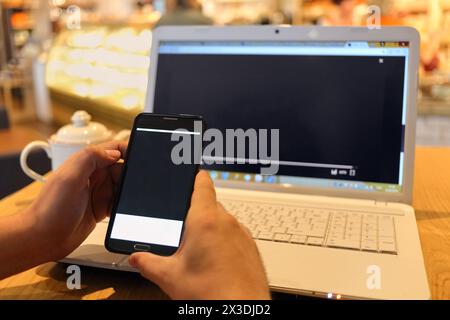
x=13 y=140
x=431 y=201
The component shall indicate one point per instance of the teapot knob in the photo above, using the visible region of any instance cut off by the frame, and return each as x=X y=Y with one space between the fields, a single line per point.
x=81 y=118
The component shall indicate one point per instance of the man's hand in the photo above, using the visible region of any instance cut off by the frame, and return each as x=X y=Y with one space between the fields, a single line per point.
x=75 y=197
x=217 y=259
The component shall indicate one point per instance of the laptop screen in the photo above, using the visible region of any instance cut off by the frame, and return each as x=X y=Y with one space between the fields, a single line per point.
x=339 y=107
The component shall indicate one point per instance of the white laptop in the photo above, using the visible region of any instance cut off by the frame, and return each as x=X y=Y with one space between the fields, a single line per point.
x=336 y=220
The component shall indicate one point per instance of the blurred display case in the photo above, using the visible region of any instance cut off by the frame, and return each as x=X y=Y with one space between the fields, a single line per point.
x=102 y=69
x=432 y=19
x=242 y=12
x=227 y=12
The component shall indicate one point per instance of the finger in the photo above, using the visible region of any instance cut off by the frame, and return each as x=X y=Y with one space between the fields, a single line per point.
x=204 y=194
x=152 y=267
x=115 y=145
x=102 y=194
x=83 y=164
x=115 y=171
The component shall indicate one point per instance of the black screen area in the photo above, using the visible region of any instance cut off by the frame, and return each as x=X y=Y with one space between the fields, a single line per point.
x=343 y=110
x=153 y=186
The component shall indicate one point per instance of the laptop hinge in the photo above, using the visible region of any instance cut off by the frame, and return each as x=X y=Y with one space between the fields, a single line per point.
x=381 y=203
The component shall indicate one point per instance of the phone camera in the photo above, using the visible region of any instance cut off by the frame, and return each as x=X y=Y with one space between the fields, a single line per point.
x=277 y=31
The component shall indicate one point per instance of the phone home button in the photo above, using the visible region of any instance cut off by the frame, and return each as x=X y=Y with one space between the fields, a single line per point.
x=141 y=247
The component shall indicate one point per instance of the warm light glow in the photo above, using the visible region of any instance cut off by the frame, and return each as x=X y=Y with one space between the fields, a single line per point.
x=91 y=39
x=338 y=296
x=100 y=91
x=130 y=101
x=58 y=3
x=81 y=90
x=127 y=40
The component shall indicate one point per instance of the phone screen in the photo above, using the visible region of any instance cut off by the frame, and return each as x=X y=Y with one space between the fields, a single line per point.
x=155 y=191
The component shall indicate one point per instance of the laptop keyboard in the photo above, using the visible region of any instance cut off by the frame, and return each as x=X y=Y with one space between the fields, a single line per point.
x=349 y=230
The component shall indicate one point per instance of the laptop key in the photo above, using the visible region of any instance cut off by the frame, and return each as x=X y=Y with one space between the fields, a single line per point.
x=264 y=228
x=265 y=236
x=313 y=241
x=387 y=245
x=348 y=244
x=254 y=233
x=297 y=231
x=282 y=237
x=316 y=232
x=298 y=239
x=386 y=230
x=279 y=229
x=369 y=246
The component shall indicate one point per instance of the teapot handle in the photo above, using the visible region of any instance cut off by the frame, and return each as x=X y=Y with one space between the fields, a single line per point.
x=122 y=135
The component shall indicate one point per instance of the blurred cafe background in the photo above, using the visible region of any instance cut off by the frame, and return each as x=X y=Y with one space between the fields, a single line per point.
x=59 y=56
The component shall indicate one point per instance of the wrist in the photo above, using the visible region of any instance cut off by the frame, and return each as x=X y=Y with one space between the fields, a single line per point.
x=33 y=236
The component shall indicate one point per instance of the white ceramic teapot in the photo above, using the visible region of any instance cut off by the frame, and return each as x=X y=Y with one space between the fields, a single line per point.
x=68 y=140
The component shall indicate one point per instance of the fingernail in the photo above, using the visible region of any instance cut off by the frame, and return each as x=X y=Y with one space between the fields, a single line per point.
x=132 y=261
x=113 y=153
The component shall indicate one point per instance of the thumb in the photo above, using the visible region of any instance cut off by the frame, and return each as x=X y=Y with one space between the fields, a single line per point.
x=151 y=266
x=204 y=194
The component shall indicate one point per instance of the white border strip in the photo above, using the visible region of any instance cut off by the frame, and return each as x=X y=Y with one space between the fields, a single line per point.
x=168 y=131
x=279 y=50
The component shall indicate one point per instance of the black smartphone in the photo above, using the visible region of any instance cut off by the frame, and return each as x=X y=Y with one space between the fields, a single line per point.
x=157 y=181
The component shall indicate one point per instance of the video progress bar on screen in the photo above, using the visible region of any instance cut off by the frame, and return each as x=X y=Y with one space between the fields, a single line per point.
x=277 y=162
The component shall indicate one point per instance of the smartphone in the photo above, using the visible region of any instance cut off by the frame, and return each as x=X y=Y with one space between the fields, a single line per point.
x=151 y=204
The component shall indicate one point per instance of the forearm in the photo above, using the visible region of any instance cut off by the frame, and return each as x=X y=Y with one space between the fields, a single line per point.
x=20 y=246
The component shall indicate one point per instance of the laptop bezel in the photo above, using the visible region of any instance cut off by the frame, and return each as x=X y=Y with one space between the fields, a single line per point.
x=301 y=33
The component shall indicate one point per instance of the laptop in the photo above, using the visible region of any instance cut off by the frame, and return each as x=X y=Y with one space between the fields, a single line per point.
x=335 y=220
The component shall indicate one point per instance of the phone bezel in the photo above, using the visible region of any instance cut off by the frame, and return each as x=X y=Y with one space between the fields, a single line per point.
x=160 y=121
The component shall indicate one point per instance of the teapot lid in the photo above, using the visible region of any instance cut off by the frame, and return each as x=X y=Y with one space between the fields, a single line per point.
x=82 y=130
